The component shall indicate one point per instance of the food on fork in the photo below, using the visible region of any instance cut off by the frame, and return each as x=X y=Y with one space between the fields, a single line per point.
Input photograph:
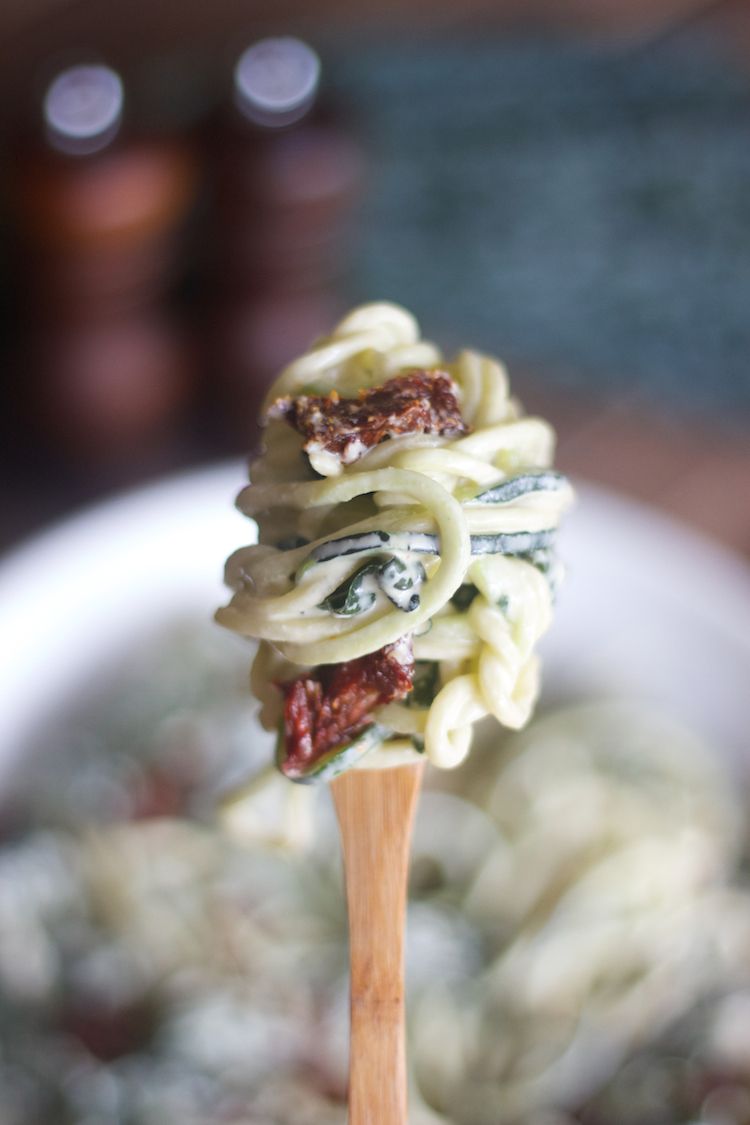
x=407 y=514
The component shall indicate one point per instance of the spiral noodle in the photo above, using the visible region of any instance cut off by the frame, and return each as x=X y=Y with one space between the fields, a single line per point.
x=474 y=514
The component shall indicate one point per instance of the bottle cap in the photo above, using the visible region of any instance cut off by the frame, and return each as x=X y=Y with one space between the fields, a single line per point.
x=83 y=109
x=276 y=80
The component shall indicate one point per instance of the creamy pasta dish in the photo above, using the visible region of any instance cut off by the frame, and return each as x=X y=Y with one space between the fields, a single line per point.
x=405 y=567
x=577 y=946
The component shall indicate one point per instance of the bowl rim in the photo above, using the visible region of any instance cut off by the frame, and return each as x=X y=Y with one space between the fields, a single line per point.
x=158 y=550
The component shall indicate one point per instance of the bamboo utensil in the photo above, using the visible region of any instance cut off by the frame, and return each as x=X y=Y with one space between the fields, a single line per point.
x=375 y=809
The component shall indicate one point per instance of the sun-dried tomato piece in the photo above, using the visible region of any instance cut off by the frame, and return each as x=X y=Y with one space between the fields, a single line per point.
x=327 y=709
x=419 y=402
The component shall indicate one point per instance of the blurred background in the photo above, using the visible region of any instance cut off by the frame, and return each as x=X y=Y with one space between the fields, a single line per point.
x=182 y=210
x=189 y=194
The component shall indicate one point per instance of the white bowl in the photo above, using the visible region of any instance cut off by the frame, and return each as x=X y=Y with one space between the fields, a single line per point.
x=650 y=609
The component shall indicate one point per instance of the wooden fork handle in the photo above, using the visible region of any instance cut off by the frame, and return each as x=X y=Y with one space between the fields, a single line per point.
x=376 y=809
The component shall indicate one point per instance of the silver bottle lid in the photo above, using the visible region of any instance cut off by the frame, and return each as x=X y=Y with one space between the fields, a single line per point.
x=83 y=109
x=276 y=80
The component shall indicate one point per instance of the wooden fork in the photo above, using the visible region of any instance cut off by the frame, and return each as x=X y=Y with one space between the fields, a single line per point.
x=375 y=810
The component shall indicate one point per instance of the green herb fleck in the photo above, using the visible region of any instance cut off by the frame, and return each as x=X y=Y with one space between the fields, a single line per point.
x=464 y=596
x=425 y=684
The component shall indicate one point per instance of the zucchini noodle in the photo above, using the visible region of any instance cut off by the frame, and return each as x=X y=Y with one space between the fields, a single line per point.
x=471 y=514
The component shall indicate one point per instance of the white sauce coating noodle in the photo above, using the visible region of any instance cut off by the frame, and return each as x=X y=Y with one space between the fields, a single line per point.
x=415 y=498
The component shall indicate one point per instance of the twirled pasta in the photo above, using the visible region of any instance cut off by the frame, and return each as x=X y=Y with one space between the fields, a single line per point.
x=467 y=520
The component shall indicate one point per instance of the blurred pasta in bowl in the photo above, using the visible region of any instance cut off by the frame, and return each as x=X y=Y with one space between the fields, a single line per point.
x=579 y=918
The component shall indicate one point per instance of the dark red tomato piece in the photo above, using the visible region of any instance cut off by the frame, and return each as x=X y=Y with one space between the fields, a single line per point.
x=328 y=708
x=419 y=402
